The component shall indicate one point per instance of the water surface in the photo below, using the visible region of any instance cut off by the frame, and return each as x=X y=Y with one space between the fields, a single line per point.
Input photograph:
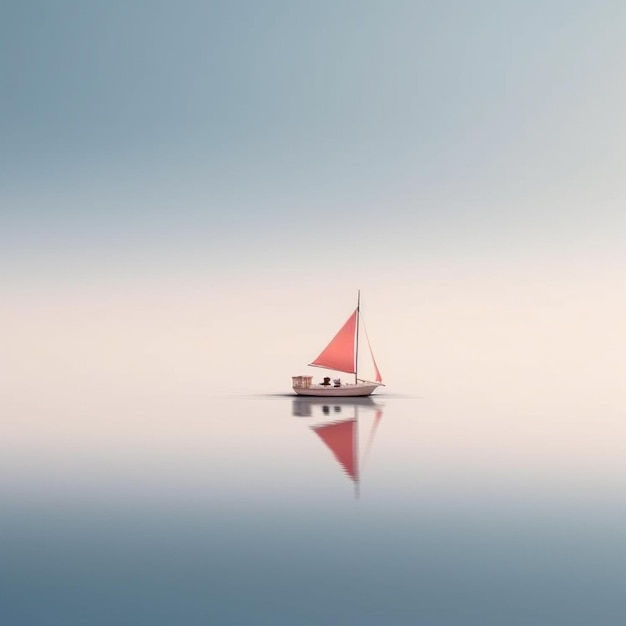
x=280 y=510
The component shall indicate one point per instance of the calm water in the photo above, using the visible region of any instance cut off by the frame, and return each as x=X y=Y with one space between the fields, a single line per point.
x=271 y=510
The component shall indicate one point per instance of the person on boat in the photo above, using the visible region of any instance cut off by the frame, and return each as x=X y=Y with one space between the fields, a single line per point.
x=337 y=382
x=326 y=382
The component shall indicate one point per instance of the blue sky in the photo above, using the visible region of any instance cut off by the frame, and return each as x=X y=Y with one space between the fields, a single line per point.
x=177 y=125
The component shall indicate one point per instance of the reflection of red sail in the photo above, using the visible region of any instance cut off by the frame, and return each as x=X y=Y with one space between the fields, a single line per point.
x=340 y=438
x=370 y=440
x=339 y=353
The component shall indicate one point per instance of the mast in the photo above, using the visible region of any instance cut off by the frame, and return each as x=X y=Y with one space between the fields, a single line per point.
x=356 y=351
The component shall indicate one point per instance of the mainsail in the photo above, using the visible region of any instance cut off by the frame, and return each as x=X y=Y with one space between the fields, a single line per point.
x=339 y=353
x=342 y=355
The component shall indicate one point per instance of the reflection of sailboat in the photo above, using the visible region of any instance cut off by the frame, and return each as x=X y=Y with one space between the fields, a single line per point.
x=341 y=434
x=341 y=355
x=306 y=407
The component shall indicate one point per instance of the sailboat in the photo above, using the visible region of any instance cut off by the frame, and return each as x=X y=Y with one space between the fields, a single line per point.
x=341 y=355
x=340 y=434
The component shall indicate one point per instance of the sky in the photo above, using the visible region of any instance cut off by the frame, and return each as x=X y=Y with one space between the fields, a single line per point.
x=191 y=193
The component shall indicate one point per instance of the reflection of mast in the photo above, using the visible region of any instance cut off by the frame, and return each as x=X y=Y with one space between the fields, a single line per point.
x=357 y=483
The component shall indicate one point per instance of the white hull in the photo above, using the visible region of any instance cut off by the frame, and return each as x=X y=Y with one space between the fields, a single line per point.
x=346 y=390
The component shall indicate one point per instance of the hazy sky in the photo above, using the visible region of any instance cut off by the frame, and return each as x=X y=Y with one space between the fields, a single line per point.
x=211 y=123
x=303 y=149
x=191 y=193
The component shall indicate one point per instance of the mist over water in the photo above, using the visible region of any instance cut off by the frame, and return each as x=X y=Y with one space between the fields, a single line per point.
x=155 y=468
x=238 y=512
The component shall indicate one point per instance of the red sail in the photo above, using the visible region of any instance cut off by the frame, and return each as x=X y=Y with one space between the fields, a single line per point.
x=339 y=437
x=379 y=378
x=339 y=353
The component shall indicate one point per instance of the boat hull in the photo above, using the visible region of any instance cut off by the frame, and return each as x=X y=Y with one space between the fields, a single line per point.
x=346 y=390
